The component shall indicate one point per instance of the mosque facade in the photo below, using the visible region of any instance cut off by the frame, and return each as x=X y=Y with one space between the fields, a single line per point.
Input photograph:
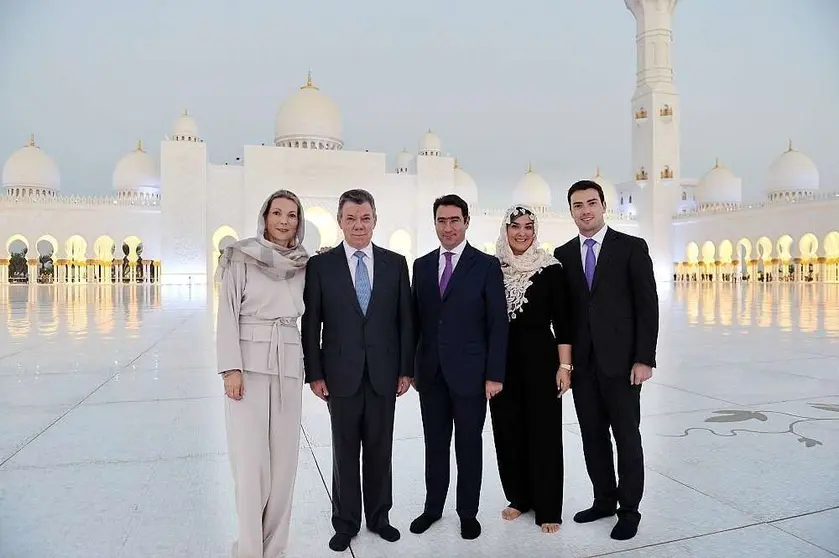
x=167 y=220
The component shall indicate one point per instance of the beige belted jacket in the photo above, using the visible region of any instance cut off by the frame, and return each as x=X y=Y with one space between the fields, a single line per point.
x=257 y=322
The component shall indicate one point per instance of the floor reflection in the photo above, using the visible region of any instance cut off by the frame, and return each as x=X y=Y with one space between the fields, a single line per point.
x=807 y=308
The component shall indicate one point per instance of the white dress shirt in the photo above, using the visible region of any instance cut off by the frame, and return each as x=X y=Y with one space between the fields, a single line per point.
x=352 y=261
x=598 y=238
x=441 y=262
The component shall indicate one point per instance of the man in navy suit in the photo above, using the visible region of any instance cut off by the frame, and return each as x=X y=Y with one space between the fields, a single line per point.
x=460 y=311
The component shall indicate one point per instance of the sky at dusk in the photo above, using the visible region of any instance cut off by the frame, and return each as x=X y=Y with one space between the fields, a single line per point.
x=542 y=81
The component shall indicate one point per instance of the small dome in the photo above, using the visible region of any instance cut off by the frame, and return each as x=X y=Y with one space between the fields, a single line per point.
x=430 y=144
x=719 y=186
x=308 y=117
x=185 y=128
x=31 y=168
x=532 y=190
x=403 y=162
x=610 y=193
x=136 y=172
x=792 y=172
x=464 y=185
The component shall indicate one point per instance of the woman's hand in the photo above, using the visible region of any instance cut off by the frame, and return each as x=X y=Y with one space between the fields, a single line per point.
x=234 y=386
x=563 y=381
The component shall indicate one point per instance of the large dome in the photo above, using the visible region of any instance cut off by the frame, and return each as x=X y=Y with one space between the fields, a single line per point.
x=719 y=186
x=532 y=190
x=464 y=185
x=610 y=193
x=31 y=170
x=792 y=172
x=136 y=172
x=308 y=119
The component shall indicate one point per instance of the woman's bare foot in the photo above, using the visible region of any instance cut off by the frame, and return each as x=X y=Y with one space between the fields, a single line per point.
x=510 y=513
x=550 y=527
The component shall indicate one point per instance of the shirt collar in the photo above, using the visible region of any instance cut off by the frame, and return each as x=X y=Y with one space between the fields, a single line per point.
x=350 y=251
x=457 y=250
x=601 y=234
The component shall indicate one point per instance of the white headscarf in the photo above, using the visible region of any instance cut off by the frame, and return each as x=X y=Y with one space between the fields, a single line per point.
x=277 y=261
x=518 y=270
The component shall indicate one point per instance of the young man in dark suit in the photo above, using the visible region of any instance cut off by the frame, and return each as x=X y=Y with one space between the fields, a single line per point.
x=461 y=313
x=358 y=346
x=615 y=316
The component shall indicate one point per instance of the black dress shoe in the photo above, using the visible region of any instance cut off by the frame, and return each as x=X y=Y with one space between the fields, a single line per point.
x=626 y=527
x=339 y=542
x=470 y=529
x=423 y=522
x=593 y=514
x=388 y=533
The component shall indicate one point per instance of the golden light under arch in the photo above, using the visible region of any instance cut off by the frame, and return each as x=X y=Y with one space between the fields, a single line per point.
x=401 y=242
x=75 y=248
x=764 y=248
x=784 y=247
x=708 y=252
x=831 y=244
x=726 y=251
x=692 y=252
x=16 y=237
x=221 y=233
x=326 y=225
x=808 y=246
x=746 y=252
x=103 y=248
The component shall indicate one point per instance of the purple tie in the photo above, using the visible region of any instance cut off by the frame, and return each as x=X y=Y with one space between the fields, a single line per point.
x=447 y=272
x=591 y=261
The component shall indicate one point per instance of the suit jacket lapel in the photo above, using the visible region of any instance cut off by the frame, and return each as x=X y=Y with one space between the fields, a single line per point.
x=380 y=270
x=466 y=261
x=578 y=264
x=343 y=271
x=606 y=251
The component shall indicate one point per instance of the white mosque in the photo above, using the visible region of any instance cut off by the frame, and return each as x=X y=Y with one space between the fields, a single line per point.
x=166 y=223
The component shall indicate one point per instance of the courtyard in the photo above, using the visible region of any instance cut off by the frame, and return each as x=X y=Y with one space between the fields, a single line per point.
x=112 y=439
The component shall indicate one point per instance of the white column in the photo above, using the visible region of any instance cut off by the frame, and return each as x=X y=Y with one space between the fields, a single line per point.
x=655 y=139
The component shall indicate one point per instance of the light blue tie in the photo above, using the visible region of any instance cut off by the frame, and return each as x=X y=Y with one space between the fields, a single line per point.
x=362 y=282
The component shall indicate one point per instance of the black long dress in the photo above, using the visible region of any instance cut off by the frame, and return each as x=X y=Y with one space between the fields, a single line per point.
x=527 y=414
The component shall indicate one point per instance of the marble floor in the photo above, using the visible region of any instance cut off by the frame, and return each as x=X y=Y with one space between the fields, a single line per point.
x=112 y=439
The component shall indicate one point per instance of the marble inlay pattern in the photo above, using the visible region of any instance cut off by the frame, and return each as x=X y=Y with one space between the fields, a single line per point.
x=112 y=439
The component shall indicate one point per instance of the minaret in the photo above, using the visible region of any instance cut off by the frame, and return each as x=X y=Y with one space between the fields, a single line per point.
x=655 y=131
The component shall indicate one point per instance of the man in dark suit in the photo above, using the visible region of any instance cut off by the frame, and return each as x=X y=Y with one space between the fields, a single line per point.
x=358 y=346
x=614 y=307
x=460 y=308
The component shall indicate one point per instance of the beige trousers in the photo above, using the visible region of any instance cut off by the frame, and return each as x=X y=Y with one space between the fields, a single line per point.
x=263 y=439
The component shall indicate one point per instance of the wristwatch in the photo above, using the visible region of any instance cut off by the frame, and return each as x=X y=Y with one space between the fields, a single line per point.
x=566 y=367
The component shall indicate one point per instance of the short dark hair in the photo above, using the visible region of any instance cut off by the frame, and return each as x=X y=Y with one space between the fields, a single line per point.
x=357 y=196
x=452 y=200
x=581 y=185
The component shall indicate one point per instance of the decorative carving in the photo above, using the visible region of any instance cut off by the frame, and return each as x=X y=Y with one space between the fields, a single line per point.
x=666 y=110
x=186 y=249
x=733 y=415
x=641 y=114
x=667 y=172
x=641 y=174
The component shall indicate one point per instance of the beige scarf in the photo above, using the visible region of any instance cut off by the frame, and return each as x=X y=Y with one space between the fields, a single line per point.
x=518 y=270
x=279 y=262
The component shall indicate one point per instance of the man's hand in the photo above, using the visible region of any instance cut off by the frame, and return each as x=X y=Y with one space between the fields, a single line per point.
x=402 y=385
x=319 y=389
x=640 y=373
x=493 y=388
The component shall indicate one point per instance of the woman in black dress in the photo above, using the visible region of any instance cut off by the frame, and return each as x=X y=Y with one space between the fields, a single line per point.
x=527 y=414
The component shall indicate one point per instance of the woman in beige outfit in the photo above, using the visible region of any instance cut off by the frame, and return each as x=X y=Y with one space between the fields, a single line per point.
x=260 y=358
